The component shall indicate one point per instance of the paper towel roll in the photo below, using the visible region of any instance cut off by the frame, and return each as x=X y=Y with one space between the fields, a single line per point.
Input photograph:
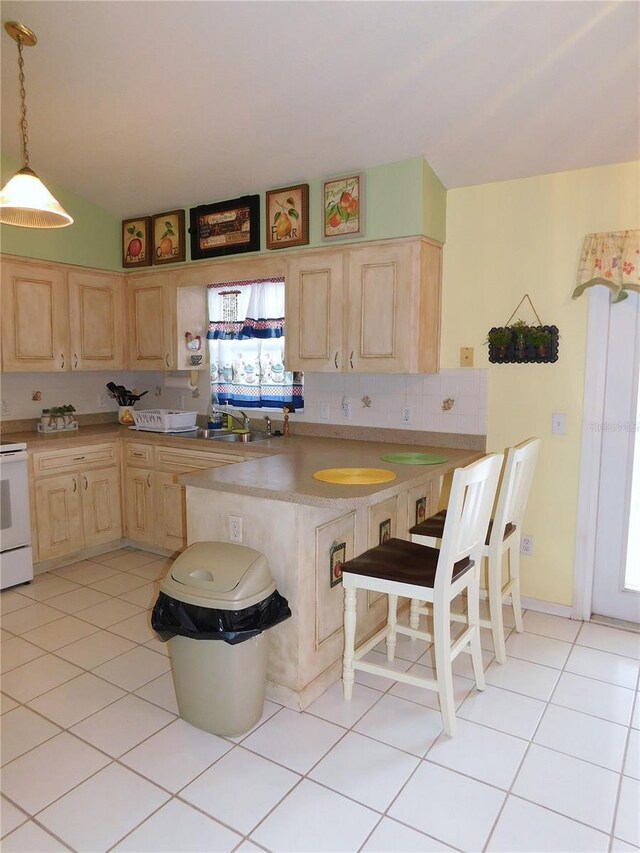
x=181 y=380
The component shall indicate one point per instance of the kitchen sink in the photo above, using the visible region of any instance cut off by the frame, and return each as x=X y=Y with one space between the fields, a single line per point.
x=217 y=435
x=237 y=437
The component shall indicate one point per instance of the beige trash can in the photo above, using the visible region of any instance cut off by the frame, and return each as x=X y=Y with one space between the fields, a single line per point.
x=220 y=685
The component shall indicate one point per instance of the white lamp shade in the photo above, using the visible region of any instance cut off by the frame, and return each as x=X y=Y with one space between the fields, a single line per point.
x=26 y=202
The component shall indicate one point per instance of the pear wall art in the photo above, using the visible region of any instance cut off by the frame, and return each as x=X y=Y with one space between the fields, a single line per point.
x=287 y=217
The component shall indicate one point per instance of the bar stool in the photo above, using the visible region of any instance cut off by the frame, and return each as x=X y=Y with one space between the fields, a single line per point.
x=398 y=567
x=503 y=535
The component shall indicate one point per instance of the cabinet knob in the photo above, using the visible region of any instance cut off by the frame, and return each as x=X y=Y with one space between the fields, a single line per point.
x=335 y=360
x=75 y=485
x=149 y=480
x=62 y=360
x=78 y=458
x=166 y=359
x=351 y=359
x=86 y=483
x=75 y=359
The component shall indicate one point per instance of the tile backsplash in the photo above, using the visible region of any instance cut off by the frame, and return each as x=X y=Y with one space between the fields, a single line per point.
x=427 y=397
x=328 y=397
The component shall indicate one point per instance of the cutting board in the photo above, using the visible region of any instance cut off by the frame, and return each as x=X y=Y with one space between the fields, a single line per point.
x=354 y=476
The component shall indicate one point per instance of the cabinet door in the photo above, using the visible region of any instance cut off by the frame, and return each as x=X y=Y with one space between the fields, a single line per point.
x=150 y=322
x=171 y=513
x=58 y=514
x=314 y=311
x=381 y=327
x=96 y=313
x=35 y=325
x=138 y=498
x=101 y=507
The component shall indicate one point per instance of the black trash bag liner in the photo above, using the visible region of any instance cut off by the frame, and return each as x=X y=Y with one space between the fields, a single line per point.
x=171 y=617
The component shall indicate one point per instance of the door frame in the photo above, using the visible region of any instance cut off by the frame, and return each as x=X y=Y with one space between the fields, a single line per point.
x=592 y=414
x=591 y=451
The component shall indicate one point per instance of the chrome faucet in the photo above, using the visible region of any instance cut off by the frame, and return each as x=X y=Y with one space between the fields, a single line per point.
x=245 y=423
x=268 y=420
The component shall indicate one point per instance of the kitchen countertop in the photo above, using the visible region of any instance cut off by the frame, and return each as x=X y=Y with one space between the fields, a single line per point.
x=287 y=473
x=283 y=468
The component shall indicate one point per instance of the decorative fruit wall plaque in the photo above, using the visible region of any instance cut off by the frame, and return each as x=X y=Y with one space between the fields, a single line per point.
x=135 y=242
x=343 y=207
x=287 y=217
x=168 y=237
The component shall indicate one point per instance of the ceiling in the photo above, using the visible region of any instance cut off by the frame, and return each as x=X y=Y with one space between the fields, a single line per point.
x=147 y=106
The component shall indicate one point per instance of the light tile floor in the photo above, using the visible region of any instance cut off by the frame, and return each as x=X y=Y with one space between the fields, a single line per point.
x=94 y=756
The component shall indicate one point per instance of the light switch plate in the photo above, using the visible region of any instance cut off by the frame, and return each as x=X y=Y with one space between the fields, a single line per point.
x=558 y=423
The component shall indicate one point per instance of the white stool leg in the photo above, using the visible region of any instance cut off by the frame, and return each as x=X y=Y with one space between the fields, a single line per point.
x=392 y=618
x=514 y=574
x=494 y=578
x=414 y=616
x=348 y=673
x=473 y=602
x=444 y=674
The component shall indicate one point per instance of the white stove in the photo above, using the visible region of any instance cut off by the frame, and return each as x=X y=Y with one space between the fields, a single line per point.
x=16 y=555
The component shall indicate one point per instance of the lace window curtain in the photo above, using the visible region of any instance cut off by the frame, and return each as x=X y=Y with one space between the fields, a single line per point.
x=246 y=346
x=610 y=258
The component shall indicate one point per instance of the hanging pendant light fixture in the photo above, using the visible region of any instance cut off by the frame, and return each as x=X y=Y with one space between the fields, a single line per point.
x=24 y=200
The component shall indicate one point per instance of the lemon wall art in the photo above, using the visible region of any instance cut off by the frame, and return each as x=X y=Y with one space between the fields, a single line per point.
x=287 y=217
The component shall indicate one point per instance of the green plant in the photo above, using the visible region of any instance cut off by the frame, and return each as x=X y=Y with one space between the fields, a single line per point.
x=500 y=337
x=538 y=337
x=520 y=327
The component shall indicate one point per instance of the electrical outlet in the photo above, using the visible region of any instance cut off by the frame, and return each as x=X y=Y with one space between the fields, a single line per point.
x=181 y=401
x=346 y=408
x=526 y=545
x=324 y=411
x=235 y=528
x=405 y=415
x=102 y=401
x=5 y=407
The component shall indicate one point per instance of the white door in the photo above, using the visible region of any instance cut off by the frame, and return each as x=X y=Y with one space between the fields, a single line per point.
x=616 y=584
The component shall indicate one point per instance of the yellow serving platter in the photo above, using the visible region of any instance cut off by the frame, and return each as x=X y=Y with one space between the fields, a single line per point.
x=354 y=476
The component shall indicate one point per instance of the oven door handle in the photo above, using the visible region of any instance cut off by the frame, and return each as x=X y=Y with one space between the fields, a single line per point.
x=13 y=456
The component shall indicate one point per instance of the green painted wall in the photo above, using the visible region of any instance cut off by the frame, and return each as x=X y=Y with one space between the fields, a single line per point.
x=434 y=223
x=93 y=240
x=402 y=199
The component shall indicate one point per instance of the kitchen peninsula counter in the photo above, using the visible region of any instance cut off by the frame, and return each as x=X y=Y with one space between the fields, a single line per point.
x=307 y=529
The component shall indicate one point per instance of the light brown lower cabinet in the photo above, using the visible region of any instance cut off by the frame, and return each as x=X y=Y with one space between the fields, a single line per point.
x=155 y=506
x=77 y=510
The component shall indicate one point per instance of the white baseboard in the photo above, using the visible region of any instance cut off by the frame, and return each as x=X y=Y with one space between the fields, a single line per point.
x=547 y=607
x=539 y=605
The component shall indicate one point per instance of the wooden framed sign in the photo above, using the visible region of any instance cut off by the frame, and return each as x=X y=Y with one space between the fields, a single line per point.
x=287 y=215
x=225 y=228
x=168 y=237
x=136 y=239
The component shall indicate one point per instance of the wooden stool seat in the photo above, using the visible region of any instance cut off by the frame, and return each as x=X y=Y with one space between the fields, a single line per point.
x=434 y=525
x=404 y=562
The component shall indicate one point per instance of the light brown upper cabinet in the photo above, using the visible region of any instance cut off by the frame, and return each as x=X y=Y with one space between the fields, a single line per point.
x=96 y=311
x=371 y=308
x=35 y=317
x=60 y=318
x=151 y=304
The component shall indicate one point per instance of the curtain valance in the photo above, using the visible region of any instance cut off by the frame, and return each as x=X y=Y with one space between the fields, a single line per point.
x=610 y=258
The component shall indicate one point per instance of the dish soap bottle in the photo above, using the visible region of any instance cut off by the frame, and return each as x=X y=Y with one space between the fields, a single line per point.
x=214 y=418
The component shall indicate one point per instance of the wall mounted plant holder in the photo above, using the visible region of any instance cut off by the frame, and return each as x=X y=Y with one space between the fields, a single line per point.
x=533 y=345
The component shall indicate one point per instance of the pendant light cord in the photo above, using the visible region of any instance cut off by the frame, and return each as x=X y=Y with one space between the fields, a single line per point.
x=23 y=107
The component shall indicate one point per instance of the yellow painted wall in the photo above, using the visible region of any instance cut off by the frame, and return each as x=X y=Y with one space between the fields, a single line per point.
x=524 y=236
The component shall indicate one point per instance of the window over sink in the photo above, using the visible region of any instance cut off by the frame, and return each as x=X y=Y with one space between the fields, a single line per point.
x=246 y=338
